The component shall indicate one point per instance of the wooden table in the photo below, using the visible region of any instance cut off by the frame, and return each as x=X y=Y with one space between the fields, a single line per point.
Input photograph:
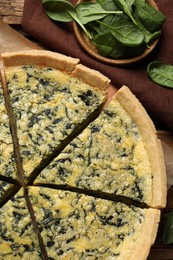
x=11 y=13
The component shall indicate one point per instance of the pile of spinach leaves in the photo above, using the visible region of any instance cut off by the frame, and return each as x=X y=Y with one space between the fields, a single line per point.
x=118 y=28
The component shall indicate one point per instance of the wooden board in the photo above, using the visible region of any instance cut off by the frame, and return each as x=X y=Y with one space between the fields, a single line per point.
x=11 y=11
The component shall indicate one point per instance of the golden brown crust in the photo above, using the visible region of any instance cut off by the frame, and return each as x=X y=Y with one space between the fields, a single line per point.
x=57 y=61
x=148 y=235
x=92 y=77
x=40 y=57
x=137 y=112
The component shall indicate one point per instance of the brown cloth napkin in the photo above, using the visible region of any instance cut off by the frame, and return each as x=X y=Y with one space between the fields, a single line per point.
x=59 y=37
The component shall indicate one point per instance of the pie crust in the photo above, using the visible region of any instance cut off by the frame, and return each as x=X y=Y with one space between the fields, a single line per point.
x=58 y=61
x=152 y=143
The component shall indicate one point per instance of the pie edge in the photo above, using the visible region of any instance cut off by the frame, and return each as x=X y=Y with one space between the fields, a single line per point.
x=58 y=61
x=149 y=233
x=152 y=144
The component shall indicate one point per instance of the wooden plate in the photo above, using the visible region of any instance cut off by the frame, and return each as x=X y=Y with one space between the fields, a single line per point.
x=93 y=52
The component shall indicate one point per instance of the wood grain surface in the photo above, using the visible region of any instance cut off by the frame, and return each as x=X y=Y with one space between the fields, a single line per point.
x=11 y=13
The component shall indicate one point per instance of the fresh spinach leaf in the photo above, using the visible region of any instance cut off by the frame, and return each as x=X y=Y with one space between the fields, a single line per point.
x=149 y=37
x=109 y=5
x=108 y=20
x=151 y=18
x=126 y=6
x=161 y=73
x=62 y=11
x=123 y=30
x=59 y=10
x=108 y=46
x=168 y=230
x=90 y=11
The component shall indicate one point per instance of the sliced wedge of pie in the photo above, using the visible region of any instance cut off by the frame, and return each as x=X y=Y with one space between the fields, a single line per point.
x=118 y=153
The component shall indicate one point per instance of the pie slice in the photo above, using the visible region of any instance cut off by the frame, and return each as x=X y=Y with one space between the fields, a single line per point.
x=118 y=153
x=52 y=99
x=78 y=226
